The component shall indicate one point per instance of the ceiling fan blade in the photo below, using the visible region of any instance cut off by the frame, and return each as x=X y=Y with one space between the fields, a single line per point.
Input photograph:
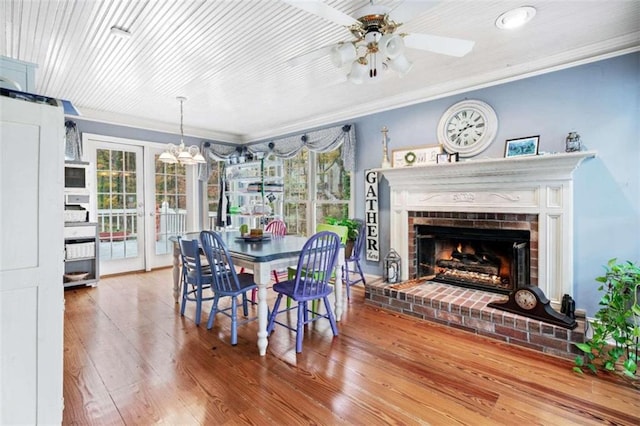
x=310 y=56
x=409 y=9
x=319 y=8
x=443 y=45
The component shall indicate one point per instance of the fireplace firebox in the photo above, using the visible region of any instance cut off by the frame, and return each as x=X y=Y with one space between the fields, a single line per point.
x=495 y=260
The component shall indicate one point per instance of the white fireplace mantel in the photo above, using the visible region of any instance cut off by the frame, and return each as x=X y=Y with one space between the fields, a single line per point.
x=541 y=185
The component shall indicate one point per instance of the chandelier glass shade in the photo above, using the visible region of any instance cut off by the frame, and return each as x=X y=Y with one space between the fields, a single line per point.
x=180 y=153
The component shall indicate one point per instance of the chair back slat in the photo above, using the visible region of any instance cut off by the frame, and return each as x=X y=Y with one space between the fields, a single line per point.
x=359 y=242
x=316 y=264
x=342 y=231
x=276 y=227
x=225 y=278
x=190 y=255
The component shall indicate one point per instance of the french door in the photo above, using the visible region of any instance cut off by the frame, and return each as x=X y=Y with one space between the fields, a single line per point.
x=138 y=202
x=119 y=205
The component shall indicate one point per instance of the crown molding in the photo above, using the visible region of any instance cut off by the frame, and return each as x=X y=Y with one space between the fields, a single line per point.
x=592 y=53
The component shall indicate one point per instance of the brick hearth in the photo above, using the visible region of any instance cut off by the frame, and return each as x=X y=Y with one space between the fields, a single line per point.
x=466 y=309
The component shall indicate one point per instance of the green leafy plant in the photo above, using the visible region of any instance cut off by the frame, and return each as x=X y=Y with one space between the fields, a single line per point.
x=616 y=329
x=351 y=224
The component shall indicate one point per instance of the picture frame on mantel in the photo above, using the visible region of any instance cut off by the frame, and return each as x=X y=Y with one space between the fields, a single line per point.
x=521 y=146
x=416 y=156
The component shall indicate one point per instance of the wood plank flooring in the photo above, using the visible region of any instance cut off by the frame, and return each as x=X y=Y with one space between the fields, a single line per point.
x=130 y=358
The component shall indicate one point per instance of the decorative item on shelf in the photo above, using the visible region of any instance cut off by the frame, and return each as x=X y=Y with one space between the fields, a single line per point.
x=530 y=301
x=182 y=154
x=72 y=142
x=521 y=146
x=442 y=158
x=392 y=264
x=454 y=157
x=76 y=276
x=417 y=156
x=468 y=127
x=573 y=142
x=385 y=150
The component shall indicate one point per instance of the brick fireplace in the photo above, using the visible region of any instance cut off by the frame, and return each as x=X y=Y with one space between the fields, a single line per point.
x=533 y=194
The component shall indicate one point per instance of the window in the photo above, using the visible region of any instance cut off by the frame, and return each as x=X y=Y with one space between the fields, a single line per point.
x=212 y=197
x=171 y=203
x=330 y=196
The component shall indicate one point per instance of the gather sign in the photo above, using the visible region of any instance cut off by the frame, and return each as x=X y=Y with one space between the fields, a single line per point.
x=371 y=215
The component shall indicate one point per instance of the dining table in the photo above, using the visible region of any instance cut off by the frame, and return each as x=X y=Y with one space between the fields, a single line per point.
x=261 y=255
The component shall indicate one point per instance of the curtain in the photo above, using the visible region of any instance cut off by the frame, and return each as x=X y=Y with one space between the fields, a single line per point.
x=323 y=140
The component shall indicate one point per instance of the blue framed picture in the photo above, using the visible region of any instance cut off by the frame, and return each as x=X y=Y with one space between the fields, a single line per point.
x=522 y=146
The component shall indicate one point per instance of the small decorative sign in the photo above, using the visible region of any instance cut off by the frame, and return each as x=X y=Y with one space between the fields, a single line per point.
x=418 y=156
x=521 y=146
x=371 y=215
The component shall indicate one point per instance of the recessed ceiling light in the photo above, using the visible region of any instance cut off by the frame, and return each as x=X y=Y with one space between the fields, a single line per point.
x=120 y=32
x=515 y=18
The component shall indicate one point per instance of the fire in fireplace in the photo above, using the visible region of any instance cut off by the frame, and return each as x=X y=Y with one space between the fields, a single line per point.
x=495 y=260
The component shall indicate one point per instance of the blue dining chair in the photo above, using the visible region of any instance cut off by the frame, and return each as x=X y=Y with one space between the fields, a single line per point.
x=352 y=262
x=315 y=267
x=226 y=282
x=196 y=277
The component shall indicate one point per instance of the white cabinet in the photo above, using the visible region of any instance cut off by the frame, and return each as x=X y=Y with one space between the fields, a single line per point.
x=255 y=191
x=81 y=254
x=18 y=75
x=31 y=261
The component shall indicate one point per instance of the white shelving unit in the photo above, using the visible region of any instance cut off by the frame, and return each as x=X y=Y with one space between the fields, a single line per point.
x=255 y=191
x=81 y=252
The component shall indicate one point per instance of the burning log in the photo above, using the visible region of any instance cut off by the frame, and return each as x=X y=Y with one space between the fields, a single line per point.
x=462 y=266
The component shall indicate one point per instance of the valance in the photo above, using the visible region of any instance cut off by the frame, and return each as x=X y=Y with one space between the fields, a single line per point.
x=323 y=140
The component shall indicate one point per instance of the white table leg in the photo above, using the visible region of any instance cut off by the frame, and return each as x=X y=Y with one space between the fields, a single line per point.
x=262 y=277
x=176 y=272
x=338 y=287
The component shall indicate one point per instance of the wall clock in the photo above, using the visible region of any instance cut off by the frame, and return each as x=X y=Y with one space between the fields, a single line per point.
x=468 y=127
x=530 y=301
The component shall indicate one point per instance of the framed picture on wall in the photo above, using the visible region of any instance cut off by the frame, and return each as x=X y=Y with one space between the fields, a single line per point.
x=521 y=146
x=418 y=156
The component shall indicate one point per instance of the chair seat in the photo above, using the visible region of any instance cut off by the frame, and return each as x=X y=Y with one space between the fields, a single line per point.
x=245 y=282
x=287 y=288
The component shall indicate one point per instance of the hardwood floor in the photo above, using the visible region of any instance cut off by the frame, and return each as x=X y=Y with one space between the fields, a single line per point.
x=130 y=358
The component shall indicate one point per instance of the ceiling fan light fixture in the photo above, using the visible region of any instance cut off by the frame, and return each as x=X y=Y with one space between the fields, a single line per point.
x=359 y=72
x=391 y=46
x=401 y=65
x=343 y=54
x=515 y=18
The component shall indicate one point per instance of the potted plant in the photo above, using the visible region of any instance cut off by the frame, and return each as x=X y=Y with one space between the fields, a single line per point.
x=616 y=330
x=353 y=230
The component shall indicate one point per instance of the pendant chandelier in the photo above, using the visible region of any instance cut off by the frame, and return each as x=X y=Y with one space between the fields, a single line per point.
x=182 y=154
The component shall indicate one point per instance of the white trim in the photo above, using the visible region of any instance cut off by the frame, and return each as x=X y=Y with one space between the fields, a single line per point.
x=155 y=126
x=616 y=47
x=541 y=185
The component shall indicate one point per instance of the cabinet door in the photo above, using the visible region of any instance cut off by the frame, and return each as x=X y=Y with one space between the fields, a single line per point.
x=31 y=262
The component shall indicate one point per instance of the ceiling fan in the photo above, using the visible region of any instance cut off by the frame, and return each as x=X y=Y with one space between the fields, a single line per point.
x=378 y=45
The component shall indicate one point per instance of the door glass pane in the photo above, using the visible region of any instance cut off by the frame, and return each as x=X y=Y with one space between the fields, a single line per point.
x=296 y=193
x=333 y=190
x=213 y=196
x=117 y=204
x=171 y=204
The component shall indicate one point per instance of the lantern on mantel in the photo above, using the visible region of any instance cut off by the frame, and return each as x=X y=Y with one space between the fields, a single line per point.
x=392 y=264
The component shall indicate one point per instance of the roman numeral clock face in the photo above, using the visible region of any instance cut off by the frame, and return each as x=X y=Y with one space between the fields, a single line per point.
x=468 y=128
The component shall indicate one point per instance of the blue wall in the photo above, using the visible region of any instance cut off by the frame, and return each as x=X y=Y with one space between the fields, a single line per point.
x=601 y=101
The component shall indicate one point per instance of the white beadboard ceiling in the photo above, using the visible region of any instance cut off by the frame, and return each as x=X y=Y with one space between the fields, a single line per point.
x=229 y=58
